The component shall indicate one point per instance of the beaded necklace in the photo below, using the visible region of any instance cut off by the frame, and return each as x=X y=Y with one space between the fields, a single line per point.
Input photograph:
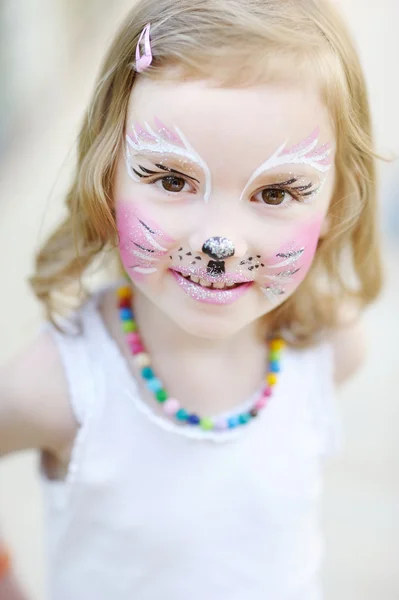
x=171 y=406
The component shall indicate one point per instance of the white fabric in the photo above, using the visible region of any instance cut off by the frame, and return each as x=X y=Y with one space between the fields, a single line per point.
x=149 y=513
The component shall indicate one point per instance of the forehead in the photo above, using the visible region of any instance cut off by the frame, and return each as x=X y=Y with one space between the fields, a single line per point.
x=233 y=126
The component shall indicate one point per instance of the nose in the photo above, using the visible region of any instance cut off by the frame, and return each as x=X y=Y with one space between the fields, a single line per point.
x=218 y=248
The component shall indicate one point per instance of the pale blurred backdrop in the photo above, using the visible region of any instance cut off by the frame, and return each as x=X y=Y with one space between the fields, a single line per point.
x=50 y=51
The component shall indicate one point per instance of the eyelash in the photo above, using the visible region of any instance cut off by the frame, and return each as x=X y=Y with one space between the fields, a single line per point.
x=297 y=193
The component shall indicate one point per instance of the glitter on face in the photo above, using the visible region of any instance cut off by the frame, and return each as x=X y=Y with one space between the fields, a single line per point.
x=210 y=296
x=306 y=152
x=141 y=242
x=298 y=254
x=142 y=138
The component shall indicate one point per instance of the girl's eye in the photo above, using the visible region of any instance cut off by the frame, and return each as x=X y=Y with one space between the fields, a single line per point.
x=273 y=196
x=172 y=183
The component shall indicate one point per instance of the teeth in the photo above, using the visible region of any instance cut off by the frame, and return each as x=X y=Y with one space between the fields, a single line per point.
x=205 y=283
x=194 y=279
x=230 y=284
x=218 y=286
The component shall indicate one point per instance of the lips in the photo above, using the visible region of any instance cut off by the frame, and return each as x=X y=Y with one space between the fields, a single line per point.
x=201 y=276
x=221 y=291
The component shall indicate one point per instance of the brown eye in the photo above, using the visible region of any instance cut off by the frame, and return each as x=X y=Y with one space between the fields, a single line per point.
x=173 y=184
x=273 y=196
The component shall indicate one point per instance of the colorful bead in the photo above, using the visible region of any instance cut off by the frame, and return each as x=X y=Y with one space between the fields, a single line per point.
x=182 y=415
x=206 y=424
x=232 y=422
x=261 y=403
x=125 y=303
x=142 y=360
x=129 y=326
x=267 y=392
x=154 y=385
x=274 y=366
x=254 y=413
x=271 y=379
x=147 y=373
x=277 y=344
x=244 y=418
x=274 y=355
x=171 y=406
x=126 y=314
x=125 y=292
x=161 y=395
x=137 y=348
x=133 y=338
x=193 y=420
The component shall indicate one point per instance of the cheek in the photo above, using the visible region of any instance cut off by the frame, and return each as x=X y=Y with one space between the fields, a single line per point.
x=287 y=264
x=142 y=242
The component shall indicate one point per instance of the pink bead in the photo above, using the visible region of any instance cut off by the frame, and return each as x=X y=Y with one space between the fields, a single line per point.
x=261 y=403
x=133 y=338
x=136 y=348
x=221 y=425
x=171 y=406
x=267 y=392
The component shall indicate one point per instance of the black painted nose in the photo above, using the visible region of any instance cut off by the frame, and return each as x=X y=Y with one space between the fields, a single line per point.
x=218 y=248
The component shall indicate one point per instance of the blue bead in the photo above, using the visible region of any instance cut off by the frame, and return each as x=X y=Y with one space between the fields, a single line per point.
x=193 y=420
x=126 y=314
x=274 y=366
x=244 y=418
x=182 y=415
x=147 y=373
x=232 y=422
x=154 y=384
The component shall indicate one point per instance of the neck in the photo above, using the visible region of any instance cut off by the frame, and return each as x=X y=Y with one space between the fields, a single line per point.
x=206 y=375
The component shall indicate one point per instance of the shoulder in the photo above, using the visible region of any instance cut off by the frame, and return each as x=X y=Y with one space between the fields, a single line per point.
x=35 y=410
x=349 y=345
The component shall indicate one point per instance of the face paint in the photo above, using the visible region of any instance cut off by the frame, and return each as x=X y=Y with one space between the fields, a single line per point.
x=306 y=153
x=291 y=263
x=142 y=243
x=144 y=139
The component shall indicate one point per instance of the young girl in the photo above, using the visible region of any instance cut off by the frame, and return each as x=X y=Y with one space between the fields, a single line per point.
x=184 y=415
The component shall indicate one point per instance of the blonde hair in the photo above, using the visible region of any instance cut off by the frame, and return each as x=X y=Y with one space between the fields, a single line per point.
x=233 y=43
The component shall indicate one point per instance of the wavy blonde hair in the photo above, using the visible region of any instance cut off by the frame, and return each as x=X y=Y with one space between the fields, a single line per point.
x=232 y=42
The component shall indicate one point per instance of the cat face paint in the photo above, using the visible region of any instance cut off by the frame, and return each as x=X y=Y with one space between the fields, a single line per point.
x=142 y=243
x=288 y=267
x=306 y=152
x=161 y=140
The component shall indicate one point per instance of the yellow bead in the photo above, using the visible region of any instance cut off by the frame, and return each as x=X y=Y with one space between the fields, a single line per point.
x=271 y=378
x=142 y=360
x=124 y=293
x=277 y=344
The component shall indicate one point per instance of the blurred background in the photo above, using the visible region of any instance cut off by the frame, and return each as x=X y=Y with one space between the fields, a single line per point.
x=50 y=51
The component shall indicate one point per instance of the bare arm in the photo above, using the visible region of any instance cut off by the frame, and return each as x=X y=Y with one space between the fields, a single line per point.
x=34 y=407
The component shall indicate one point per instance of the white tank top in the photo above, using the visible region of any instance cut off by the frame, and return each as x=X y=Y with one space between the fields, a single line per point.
x=153 y=511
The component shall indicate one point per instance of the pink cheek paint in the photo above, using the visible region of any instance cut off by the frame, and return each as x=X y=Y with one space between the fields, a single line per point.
x=142 y=243
x=289 y=266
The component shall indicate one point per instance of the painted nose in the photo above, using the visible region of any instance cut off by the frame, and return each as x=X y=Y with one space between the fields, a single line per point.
x=218 y=248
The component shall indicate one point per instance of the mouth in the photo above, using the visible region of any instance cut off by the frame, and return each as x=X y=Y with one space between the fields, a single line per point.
x=222 y=291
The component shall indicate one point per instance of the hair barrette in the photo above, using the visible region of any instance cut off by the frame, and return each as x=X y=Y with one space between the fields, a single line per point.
x=143 y=61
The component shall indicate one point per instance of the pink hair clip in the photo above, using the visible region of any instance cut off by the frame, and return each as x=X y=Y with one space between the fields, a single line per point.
x=143 y=61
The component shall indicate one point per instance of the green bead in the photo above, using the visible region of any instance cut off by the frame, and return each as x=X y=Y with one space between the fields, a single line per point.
x=161 y=395
x=206 y=424
x=129 y=326
x=182 y=415
x=274 y=355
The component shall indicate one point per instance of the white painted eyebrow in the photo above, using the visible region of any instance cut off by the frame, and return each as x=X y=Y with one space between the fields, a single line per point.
x=306 y=152
x=165 y=141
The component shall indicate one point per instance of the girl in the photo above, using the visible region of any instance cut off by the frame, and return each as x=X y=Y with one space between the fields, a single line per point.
x=184 y=415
